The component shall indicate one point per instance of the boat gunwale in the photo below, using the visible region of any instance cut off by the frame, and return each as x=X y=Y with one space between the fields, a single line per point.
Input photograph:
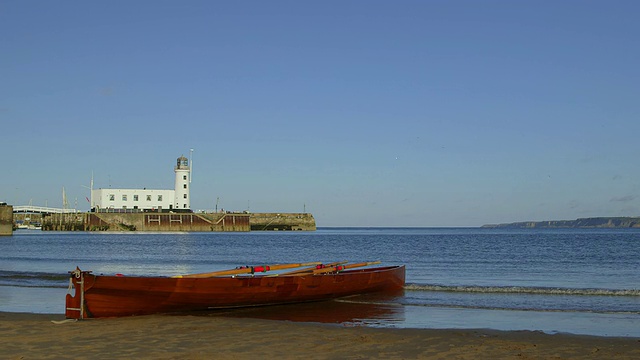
x=255 y=275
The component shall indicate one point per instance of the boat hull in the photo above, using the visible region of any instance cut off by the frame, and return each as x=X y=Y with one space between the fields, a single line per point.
x=114 y=296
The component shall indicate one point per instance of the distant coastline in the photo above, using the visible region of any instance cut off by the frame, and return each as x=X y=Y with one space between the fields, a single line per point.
x=594 y=222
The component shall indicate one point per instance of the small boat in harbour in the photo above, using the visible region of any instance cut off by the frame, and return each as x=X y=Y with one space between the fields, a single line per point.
x=99 y=296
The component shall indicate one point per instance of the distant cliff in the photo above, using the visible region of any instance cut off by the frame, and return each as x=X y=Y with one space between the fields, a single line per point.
x=596 y=222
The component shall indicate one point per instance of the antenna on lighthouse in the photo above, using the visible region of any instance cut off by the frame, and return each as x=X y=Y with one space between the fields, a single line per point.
x=191 y=163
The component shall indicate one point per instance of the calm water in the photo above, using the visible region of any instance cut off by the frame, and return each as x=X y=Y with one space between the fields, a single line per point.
x=575 y=280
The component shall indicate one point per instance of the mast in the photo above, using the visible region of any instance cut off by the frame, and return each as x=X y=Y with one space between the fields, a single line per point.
x=191 y=165
x=65 y=203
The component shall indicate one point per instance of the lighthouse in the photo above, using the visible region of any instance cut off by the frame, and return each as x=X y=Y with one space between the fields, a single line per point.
x=182 y=200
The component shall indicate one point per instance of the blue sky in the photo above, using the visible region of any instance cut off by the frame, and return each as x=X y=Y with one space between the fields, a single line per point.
x=364 y=113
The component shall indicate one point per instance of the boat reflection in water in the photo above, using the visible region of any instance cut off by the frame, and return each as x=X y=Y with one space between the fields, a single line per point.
x=377 y=310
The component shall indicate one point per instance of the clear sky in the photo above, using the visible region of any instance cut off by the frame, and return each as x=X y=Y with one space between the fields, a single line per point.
x=364 y=113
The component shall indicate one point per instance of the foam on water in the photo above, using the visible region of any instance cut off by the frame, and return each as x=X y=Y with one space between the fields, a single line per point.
x=523 y=290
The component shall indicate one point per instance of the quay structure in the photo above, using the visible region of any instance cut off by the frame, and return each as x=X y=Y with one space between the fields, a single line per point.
x=167 y=210
x=167 y=221
x=6 y=219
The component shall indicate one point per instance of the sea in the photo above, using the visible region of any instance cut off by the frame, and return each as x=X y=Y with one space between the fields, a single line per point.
x=578 y=281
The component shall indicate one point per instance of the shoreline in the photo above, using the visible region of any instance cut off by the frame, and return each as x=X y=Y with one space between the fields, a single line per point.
x=30 y=335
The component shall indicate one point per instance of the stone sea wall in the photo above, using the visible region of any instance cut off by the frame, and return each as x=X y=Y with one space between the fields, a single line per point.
x=187 y=222
x=282 y=222
x=6 y=219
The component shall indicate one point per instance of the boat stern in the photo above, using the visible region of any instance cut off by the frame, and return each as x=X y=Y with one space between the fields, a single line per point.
x=74 y=302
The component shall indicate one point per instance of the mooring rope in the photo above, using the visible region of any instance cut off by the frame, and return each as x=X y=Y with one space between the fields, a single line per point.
x=77 y=273
x=70 y=288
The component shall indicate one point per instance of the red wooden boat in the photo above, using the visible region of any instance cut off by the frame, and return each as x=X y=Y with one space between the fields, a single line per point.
x=111 y=296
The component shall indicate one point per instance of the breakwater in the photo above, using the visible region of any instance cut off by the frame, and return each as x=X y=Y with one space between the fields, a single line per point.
x=188 y=222
x=282 y=222
x=6 y=219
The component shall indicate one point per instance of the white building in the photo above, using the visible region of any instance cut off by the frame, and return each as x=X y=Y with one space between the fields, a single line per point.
x=125 y=200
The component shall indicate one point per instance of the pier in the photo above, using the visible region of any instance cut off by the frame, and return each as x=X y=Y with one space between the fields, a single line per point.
x=185 y=222
x=6 y=219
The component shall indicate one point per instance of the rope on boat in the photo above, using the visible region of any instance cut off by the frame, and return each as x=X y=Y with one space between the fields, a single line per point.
x=75 y=273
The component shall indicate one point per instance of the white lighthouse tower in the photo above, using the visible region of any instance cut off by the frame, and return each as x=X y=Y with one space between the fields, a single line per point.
x=182 y=201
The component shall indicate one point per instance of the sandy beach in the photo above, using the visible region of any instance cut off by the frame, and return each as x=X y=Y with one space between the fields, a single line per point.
x=41 y=336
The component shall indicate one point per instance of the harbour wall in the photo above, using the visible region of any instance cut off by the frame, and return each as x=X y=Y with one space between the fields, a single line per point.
x=186 y=222
x=282 y=221
x=6 y=219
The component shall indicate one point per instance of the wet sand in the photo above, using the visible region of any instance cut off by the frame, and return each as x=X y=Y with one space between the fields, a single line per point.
x=35 y=336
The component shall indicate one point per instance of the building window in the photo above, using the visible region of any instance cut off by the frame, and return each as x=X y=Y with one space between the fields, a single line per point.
x=159 y=197
x=124 y=197
x=135 y=197
x=184 y=196
x=112 y=197
x=148 y=197
x=185 y=206
x=184 y=186
x=184 y=177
